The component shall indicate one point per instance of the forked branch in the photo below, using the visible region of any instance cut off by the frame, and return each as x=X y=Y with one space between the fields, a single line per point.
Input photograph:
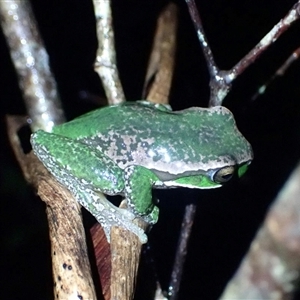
x=221 y=80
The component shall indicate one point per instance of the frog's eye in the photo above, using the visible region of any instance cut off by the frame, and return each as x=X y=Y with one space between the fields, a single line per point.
x=223 y=175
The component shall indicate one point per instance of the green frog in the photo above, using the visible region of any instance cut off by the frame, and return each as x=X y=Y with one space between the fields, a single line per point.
x=131 y=148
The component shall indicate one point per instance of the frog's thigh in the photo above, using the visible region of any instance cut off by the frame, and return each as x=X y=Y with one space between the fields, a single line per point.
x=138 y=192
x=91 y=167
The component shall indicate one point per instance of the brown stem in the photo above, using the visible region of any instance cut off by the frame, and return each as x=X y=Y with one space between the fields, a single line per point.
x=103 y=258
x=185 y=233
x=125 y=256
x=70 y=264
x=270 y=270
x=71 y=268
x=161 y=63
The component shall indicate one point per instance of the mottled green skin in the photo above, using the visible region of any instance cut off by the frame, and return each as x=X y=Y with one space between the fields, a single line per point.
x=129 y=148
x=201 y=139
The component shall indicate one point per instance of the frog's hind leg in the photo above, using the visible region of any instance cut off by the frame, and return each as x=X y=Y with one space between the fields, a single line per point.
x=67 y=158
x=86 y=173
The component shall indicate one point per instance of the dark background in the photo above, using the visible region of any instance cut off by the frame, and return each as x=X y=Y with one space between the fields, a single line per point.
x=228 y=218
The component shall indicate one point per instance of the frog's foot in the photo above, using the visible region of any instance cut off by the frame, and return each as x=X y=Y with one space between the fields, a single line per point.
x=109 y=215
x=138 y=192
x=152 y=218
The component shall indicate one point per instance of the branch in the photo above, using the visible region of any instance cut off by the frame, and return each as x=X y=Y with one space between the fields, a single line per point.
x=156 y=89
x=161 y=63
x=105 y=64
x=211 y=65
x=31 y=62
x=219 y=88
x=292 y=16
x=270 y=270
x=125 y=257
x=70 y=264
x=117 y=263
x=185 y=233
x=221 y=80
x=279 y=72
x=71 y=268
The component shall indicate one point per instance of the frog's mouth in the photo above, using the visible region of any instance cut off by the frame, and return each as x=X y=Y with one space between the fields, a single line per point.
x=190 y=179
x=166 y=176
x=194 y=182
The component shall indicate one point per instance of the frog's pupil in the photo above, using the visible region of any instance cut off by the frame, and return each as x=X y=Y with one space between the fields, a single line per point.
x=227 y=177
x=224 y=174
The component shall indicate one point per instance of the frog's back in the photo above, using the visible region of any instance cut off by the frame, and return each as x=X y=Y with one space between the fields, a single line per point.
x=104 y=120
x=156 y=138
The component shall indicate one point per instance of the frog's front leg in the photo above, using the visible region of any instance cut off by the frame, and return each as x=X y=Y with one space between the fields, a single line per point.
x=138 y=192
x=86 y=172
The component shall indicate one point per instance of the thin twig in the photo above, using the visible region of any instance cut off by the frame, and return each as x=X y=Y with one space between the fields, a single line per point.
x=292 y=16
x=31 y=62
x=185 y=233
x=266 y=41
x=105 y=64
x=221 y=80
x=280 y=72
x=219 y=88
x=212 y=67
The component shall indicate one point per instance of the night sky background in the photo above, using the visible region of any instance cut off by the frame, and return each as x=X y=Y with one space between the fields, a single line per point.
x=228 y=218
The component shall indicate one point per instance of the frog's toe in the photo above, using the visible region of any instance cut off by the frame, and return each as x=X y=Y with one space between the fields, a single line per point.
x=121 y=218
x=152 y=218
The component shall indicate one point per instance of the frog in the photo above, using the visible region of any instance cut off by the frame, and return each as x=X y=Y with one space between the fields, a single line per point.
x=131 y=148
